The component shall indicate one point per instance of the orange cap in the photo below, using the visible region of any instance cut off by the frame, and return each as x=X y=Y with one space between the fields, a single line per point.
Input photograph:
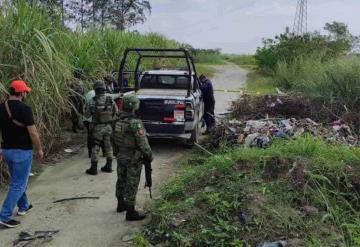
x=20 y=86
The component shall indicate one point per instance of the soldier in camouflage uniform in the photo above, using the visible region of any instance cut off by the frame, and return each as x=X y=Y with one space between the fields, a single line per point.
x=102 y=109
x=132 y=148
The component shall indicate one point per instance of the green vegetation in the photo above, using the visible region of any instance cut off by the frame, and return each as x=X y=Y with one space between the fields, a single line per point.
x=207 y=56
x=288 y=47
x=259 y=84
x=315 y=65
x=242 y=196
x=245 y=61
x=205 y=69
x=335 y=82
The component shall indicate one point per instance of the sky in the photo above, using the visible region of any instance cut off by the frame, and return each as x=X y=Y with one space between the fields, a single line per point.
x=238 y=26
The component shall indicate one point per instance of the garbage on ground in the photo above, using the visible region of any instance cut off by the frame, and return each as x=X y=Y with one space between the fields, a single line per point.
x=261 y=133
x=27 y=239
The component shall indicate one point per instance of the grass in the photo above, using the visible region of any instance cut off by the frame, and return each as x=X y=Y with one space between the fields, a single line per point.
x=241 y=197
x=209 y=57
x=244 y=61
x=259 y=84
x=205 y=69
x=335 y=81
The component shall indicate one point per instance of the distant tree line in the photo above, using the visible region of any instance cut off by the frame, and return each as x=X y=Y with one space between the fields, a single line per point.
x=288 y=47
x=119 y=14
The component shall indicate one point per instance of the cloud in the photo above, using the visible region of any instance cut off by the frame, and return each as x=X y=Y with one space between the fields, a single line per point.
x=239 y=25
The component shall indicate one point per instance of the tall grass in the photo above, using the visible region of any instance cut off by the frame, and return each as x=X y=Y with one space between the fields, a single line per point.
x=226 y=199
x=248 y=61
x=335 y=82
x=210 y=57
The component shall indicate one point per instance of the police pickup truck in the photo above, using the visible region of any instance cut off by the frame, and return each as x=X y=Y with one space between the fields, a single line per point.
x=171 y=104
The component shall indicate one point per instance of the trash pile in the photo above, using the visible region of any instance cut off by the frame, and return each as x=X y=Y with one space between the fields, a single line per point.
x=252 y=107
x=257 y=119
x=260 y=133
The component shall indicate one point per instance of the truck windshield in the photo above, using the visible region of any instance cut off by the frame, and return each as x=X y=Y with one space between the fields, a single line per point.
x=164 y=81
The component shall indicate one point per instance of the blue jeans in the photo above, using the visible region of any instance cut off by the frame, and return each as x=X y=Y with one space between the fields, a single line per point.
x=19 y=163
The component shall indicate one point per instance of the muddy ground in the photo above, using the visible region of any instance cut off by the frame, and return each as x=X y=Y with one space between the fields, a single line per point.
x=95 y=222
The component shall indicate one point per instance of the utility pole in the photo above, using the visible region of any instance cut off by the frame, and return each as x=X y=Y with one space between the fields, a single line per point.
x=300 y=21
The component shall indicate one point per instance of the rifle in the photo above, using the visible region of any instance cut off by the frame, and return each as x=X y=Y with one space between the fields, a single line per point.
x=148 y=171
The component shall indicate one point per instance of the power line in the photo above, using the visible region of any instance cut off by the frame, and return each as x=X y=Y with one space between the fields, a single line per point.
x=300 y=21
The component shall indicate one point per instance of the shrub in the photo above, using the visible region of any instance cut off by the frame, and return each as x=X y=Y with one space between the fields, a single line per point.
x=288 y=47
x=333 y=82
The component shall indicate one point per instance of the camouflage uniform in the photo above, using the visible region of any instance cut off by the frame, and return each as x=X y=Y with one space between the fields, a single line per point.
x=102 y=110
x=132 y=147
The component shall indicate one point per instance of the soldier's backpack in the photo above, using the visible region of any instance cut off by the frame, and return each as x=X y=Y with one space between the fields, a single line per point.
x=103 y=110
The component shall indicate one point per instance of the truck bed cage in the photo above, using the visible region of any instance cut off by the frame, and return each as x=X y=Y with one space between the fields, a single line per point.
x=145 y=53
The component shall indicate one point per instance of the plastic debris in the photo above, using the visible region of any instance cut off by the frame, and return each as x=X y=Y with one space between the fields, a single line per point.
x=260 y=133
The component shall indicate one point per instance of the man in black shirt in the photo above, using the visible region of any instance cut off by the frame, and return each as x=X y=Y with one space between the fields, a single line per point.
x=19 y=136
x=209 y=102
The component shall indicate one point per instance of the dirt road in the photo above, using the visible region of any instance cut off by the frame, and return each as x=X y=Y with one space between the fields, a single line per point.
x=95 y=222
x=227 y=77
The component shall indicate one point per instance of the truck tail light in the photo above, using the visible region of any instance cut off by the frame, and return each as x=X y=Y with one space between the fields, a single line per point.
x=189 y=111
x=169 y=119
x=180 y=107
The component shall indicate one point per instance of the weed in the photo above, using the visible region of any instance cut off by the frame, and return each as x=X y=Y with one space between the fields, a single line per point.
x=225 y=201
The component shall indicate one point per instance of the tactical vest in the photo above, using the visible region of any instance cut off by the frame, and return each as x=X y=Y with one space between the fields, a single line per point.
x=103 y=109
x=124 y=136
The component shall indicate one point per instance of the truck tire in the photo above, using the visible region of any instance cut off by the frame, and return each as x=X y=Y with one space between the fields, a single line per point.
x=194 y=138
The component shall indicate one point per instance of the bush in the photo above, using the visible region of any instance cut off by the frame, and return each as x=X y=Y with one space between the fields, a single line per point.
x=243 y=196
x=336 y=82
x=207 y=56
x=242 y=60
x=288 y=47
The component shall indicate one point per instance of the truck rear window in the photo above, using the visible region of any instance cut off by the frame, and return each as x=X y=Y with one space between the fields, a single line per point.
x=164 y=81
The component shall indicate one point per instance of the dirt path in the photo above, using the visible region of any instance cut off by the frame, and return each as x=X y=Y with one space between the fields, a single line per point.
x=86 y=223
x=227 y=77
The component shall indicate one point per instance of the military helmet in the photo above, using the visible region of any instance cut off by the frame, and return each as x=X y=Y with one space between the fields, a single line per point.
x=109 y=78
x=99 y=85
x=131 y=103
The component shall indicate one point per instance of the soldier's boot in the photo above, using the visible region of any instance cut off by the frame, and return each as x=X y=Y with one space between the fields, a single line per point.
x=133 y=215
x=93 y=169
x=121 y=206
x=107 y=167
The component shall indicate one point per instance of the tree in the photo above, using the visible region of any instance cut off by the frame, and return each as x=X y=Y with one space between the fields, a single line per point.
x=127 y=13
x=341 y=37
x=80 y=12
x=289 y=48
x=99 y=11
x=54 y=7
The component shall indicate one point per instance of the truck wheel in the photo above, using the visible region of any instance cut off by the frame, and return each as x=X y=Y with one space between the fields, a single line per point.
x=195 y=135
